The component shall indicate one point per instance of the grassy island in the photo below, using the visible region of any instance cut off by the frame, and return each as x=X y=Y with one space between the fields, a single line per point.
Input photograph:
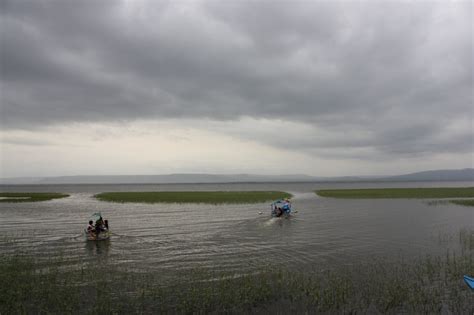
x=29 y=197
x=210 y=197
x=380 y=193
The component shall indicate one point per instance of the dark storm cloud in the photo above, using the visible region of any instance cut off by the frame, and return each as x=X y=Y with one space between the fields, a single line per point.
x=398 y=72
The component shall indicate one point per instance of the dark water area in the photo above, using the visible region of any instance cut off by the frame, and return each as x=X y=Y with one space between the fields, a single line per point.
x=233 y=238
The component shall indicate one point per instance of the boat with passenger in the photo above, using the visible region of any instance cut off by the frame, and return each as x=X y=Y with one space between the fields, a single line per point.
x=281 y=208
x=97 y=229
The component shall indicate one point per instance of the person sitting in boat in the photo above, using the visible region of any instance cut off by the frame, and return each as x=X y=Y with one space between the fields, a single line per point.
x=99 y=226
x=278 y=211
x=106 y=225
x=90 y=227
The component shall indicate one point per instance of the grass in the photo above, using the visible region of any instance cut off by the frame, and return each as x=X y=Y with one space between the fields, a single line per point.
x=426 y=285
x=458 y=192
x=210 y=197
x=463 y=202
x=30 y=197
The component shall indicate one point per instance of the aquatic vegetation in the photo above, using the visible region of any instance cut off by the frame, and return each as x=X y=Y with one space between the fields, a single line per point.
x=463 y=202
x=425 y=285
x=29 y=197
x=460 y=202
x=379 y=193
x=210 y=197
x=437 y=202
x=466 y=239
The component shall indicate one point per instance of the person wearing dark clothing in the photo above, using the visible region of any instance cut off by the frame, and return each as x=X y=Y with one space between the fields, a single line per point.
x=99 y=226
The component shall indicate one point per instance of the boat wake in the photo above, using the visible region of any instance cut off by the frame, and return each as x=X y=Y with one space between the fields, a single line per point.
x=271 y=221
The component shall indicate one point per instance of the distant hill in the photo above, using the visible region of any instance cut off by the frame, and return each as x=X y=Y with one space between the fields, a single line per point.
x=435 y=175
x=160 y=179
x=466 y=174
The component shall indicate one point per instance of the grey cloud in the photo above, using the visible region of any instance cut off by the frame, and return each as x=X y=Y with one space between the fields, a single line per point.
x=26 y=141
x=360 y=66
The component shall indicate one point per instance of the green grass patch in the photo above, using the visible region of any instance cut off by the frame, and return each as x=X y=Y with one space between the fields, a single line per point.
x=29 y=197
x=210 y=197
x=463 y=202
x=380 y=193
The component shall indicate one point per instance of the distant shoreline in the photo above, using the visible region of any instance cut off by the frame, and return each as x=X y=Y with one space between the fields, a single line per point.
x=169 y=179
x=233 y=183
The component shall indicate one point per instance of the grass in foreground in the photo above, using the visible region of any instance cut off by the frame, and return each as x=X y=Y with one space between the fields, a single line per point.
x=458 y=192
x=210 y=197
x=427 y=285
x=29 y=197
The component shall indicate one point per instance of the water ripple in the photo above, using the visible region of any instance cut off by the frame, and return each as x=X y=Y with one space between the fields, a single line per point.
x=235 y=238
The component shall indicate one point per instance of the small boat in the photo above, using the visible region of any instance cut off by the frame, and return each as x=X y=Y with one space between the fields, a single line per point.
x=281 y=208
x=469 y=281
x=92 y=236
x=104 y=233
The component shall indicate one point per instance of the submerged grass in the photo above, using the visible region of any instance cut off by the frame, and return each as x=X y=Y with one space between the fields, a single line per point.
x=460 y=202
x=29 y=197
x=210 y=197
x=457 y=192
x=463 y=202
x=432 y=284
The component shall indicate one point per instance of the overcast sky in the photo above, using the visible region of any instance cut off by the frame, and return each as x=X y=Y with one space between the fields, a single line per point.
x=270 y=87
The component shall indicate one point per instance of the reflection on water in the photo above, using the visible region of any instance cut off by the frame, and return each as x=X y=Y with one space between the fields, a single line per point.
x=99 y=249
x=323 y=231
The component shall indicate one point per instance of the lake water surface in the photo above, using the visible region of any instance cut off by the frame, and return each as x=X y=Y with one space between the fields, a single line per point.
x=234 y=238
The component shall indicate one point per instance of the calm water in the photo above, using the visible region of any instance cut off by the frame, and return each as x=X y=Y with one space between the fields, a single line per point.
x=236 y=238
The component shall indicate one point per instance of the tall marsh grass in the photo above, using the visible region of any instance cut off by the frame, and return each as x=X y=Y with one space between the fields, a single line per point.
x=430 y=284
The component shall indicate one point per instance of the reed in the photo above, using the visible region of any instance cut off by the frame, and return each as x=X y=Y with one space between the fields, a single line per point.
x=463 y=202
x=429 y=284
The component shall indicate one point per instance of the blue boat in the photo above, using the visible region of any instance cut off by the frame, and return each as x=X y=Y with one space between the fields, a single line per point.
x=469 y=281
x=281 y=207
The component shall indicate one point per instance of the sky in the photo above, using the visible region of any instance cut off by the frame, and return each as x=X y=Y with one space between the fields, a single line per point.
x=323 y=88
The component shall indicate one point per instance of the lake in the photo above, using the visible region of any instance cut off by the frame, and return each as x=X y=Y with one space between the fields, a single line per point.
x=234 y=238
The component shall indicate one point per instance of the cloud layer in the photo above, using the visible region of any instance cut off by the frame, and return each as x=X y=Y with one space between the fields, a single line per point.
x=362 y=79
